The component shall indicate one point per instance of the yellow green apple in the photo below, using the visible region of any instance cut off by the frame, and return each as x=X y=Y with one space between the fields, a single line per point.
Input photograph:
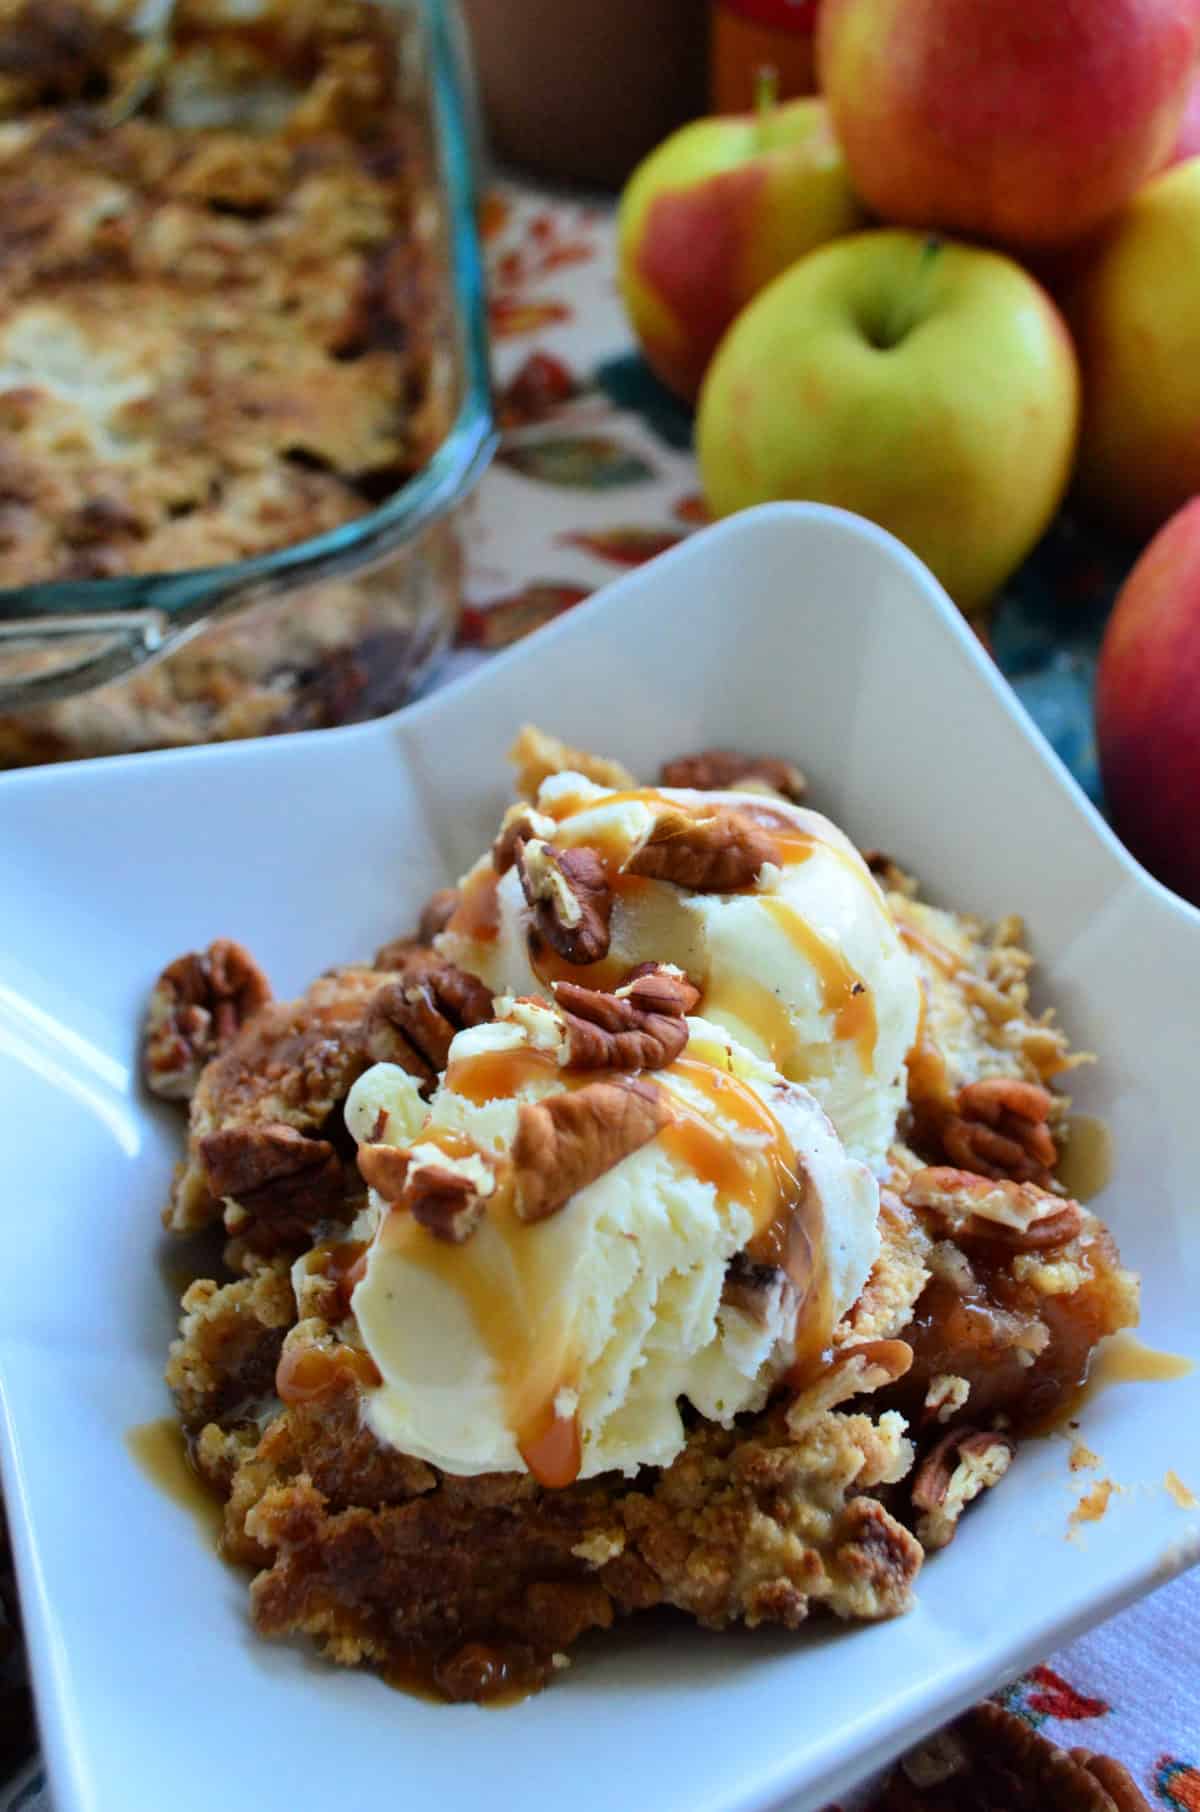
x=1148 y=706
x=928 y=385
x=720 y=208
x=1135 y=310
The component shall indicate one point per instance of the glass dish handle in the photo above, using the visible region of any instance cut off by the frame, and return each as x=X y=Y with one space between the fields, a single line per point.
x=125 y=639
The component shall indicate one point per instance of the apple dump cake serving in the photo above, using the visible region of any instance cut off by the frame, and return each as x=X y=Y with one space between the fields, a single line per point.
x=671 y=1221
x=220 y=330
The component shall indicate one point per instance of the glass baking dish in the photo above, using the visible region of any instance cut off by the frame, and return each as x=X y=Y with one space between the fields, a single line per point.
x=327 y=630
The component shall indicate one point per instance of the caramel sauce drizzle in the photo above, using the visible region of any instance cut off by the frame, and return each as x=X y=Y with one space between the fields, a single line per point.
x=306 y=1373
x=343 y=1264
x=844 y=994
x=160 y=1450
x=936 y=954
x=928 y=1077
x=477 y=914
x=511 y=1285
x=1124 y=1359
x=754 y=1004
x=499 y=1075
x=550 y=967
x=771 y=1184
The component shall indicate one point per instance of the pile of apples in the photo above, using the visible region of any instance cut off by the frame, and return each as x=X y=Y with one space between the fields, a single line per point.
x=964 y=276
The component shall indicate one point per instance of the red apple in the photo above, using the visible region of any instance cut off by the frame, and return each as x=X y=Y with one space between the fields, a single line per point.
x=1148 y=706
x=1023 y=121
x=1187 y=139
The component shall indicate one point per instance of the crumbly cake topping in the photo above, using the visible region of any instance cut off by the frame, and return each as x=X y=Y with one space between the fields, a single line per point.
x=976 y=1323
x=207 y=344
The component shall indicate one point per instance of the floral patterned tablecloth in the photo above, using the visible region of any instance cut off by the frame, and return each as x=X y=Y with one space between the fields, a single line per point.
x=595 y=476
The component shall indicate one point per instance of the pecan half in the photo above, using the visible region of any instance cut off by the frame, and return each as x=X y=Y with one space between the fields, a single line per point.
x=1001 y=1129
x=964 y=1463
x=853 y=1372
x=716 y=850
x=570 y=896
x=642 y=1026
x=284 y=1182
x=993 y=1761
x=724 y=770
x=446 y=1195
x=197 y=1006
x=520 y=824
x=413 y=1021
x=567 y=1141
x=1019 y=1216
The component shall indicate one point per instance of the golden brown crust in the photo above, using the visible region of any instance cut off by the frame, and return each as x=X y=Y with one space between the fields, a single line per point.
x=755 y=1526
x=185 y=308
x=228 y=1345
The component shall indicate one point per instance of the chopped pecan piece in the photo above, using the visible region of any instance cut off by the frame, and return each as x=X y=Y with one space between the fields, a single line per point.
x=567 y=1141
x=197 y=1006
x=536 y=755
x=945 y=1395
x=570 y=896
x=713 y=851
x=1001 y=1129
x=446 y=1203
x=724 y=770
x=655 y=988
x=964 y=1463
x=520 y=824
x=283 y=1181
x=412 y=1021
x=642 y=1026
x=384 y=1168
x=755 y=1290
x=446 y=1194
x=1019 y=1216
x=854 y=1371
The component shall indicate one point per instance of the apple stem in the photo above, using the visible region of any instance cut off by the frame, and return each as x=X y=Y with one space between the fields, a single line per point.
x=911 y=301
x=766 y=90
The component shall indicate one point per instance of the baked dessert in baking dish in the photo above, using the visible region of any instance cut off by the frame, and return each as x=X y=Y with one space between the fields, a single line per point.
x=220 y=318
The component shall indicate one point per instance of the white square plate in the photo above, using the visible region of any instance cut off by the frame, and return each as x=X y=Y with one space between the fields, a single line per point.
x=792 y=629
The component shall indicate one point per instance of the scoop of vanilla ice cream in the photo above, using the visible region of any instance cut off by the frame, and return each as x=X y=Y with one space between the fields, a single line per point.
x=564 y=1346
x=805 y=968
